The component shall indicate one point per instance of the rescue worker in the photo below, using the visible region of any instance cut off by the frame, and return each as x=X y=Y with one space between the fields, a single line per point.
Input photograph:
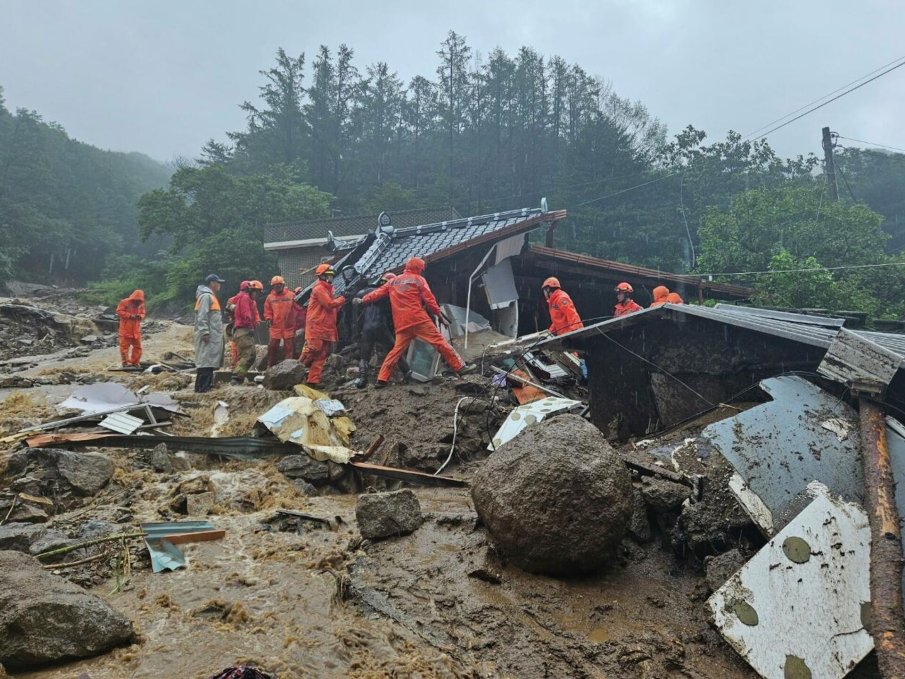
x=228 y=317
x=661 y=292
x=278 y=310
x=409 y=294
x=245 y=321
x=376 y=331
x=320 y=324
x=675 y=298
x=131 y=312
x=297 y=319
x=563 y=314
x=624 y=302
x=208 y=333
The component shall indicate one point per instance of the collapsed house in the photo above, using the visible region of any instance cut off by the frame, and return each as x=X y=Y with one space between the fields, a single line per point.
x=815 y=476
x=490 y=266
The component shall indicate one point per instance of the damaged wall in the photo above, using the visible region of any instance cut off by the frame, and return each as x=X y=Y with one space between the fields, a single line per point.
x=630 y=397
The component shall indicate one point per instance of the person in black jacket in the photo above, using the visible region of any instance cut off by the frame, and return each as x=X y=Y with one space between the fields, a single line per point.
x=375 y=331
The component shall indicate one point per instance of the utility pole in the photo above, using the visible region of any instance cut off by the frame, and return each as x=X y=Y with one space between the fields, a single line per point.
x=829 y=164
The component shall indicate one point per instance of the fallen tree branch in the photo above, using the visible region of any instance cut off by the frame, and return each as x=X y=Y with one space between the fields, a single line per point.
x=887 y=622
x=96 y=557
x=89 y=543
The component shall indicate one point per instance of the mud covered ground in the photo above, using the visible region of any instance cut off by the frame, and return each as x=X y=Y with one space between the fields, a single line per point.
x=318 y=601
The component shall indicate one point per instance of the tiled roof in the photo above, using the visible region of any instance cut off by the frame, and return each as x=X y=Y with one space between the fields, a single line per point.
x=355 y=225
x=388 y=252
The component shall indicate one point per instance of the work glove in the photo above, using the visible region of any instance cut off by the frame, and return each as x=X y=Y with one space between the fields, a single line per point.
x=356 y=301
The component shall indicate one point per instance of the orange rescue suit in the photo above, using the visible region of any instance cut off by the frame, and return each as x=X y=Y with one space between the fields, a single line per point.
x=563 y=314
x=278 y=310
x=131 y=312
x=322 y=311
x=661 y=292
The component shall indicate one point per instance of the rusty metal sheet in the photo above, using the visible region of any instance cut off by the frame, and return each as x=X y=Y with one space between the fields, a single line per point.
x=859 y=362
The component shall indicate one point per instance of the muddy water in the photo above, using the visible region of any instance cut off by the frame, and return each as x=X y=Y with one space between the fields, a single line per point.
x=410 y=608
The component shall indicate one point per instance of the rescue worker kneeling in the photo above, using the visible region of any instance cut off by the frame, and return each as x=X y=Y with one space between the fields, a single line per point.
x=320 y=324
x=409 y=294
x=245 y=321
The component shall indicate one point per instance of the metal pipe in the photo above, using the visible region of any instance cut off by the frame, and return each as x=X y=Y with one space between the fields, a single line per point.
x=468 y=297
x=887 y=622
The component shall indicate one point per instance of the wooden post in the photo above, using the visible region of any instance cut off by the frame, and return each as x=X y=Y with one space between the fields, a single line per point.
x=830 y=164
x=887 y=621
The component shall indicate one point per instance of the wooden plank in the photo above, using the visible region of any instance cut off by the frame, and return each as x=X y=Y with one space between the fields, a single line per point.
x=198 y=536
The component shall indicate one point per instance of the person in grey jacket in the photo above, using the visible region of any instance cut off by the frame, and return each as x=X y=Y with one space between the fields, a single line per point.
x=209 y=339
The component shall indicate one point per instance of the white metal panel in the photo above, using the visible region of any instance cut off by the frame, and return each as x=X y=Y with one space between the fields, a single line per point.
x=798 y=604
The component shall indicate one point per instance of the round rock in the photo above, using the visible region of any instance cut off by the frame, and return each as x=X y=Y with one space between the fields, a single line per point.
x=556 y=499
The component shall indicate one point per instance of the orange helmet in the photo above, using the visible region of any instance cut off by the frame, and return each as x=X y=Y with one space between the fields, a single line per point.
x=551 y=282
x=415 y=265
x=625 y=287
x=324 y=270
x=244 y=285
x=277 y=280
x=255 y=285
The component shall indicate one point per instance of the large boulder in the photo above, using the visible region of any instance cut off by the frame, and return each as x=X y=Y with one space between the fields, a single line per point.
x=556 y=499
x=383 y=515
x=284 y=375
x=45 y=618
x=63 y=476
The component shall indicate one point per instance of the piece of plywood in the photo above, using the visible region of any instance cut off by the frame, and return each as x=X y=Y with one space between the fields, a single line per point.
x=797 y=608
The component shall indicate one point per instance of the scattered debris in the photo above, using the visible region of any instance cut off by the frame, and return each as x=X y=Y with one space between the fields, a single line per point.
x=529 y=414
x=299 y=420
x=162 y=538
x=284 y=375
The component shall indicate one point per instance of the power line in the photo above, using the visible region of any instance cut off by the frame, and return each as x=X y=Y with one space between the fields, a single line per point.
x=626 y=190
x=817 y=268
x=773 y=122
x=871 y=143
x=830 y=101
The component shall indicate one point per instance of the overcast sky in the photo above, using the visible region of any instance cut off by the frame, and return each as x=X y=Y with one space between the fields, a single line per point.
x=163 y=76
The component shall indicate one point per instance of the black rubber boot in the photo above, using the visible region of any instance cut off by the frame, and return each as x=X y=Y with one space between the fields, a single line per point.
x=362 y=380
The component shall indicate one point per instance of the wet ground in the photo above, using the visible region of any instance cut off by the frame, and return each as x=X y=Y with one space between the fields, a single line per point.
x=319 y=602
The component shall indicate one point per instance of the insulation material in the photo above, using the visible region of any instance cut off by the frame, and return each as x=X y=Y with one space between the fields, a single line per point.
x=799 y=606
x=298 y=420
x=106 y=397
x=526 y=415
x=121 y=423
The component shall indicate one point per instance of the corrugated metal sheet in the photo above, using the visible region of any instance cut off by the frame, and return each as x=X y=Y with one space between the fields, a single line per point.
x=859 y=362
x=740 y=317
x=121 y=423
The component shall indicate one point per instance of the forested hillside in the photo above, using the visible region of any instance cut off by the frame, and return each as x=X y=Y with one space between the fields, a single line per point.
x=66 y=208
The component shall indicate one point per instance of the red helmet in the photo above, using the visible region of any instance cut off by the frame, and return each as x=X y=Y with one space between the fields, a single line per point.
x=244 y=285
x=389 y=275
x=551 y=282
x=625 y=287
x=415 y=265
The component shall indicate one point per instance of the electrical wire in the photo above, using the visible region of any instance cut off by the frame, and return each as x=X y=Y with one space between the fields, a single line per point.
x=773 y=122
x=830 y=101
x=452 y=447
x=626 y=190
x=871 y=143
x=818 y=268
